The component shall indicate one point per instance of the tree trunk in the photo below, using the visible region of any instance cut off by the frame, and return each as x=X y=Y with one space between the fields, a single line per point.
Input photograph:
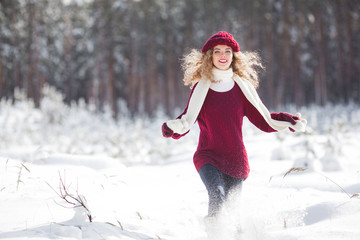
x=284 y=57
x=340 y=51
x=350 y=60
x=2 y=92
x=299 y=89
x=269 y=50
x=320 y=72
x=15 y=42
x=32 y=71
x=110 y=46
x=133 y=78
x=67 y=45
x=150 y=80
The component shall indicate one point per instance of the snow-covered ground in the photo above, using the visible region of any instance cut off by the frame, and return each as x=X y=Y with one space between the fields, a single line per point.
x=138 y=185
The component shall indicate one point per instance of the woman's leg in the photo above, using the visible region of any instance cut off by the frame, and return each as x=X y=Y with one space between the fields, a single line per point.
x=233 y=187
x=214 y=184
x=232 y=184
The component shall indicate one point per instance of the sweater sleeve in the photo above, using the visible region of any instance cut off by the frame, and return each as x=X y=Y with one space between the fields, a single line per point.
x=177 y=135
x=255 y=117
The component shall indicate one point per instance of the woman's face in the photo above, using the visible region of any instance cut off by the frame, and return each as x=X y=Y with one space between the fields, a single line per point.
x=222 y=57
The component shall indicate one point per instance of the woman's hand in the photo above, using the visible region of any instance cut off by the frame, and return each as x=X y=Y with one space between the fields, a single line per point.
x=166 y=131
x=287 y=117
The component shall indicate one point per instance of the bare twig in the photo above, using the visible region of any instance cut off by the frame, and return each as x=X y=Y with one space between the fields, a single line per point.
x=19 y=178
x=139 y=215
x=74 y=201
x=25 y=167
x=115 y=225
x=270 y=179
x=327 y=178
x=294 y=170
x=120 y=224
x=355 y=195
x=22 y=165
x=350 y=196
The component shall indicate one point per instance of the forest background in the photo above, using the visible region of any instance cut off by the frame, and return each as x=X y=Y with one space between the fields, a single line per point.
x=125 y=54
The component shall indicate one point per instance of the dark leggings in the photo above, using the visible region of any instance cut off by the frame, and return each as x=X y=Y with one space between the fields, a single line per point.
x=218 y=185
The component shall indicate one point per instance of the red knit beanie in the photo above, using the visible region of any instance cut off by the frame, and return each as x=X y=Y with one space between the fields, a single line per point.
x=221 y=38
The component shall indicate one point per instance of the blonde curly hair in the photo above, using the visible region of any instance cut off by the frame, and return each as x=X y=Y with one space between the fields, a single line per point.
x=197 y=65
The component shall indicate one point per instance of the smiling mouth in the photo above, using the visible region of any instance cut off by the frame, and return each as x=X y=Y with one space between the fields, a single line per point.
x=222 y=61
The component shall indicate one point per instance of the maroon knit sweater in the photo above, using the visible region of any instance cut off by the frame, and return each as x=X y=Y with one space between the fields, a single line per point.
x=221 y=140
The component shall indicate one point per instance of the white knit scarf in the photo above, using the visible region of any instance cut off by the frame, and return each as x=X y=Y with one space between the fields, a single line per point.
x=183 y=124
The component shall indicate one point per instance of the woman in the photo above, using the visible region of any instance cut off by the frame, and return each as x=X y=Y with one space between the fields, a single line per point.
x=224 y=81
